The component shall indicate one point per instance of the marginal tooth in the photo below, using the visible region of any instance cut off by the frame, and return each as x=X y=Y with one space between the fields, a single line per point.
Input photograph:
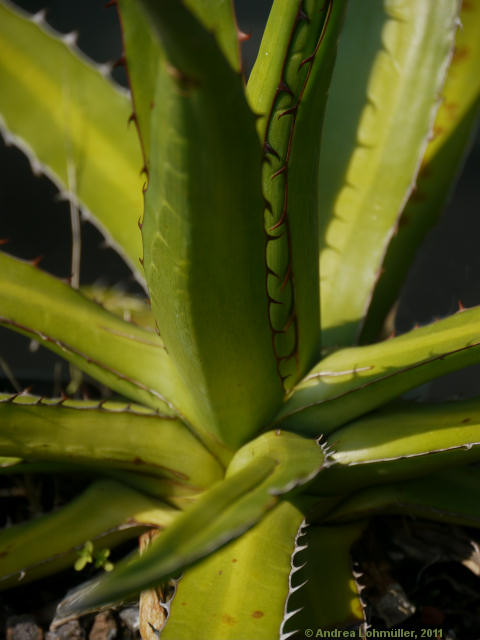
x=292 y=613
x=8 y=138
x=302 y=547
x=70 y=39
x=106 y=244
x=36 y=166
x=242 y=36
x=295 y=569
x=105 y=69
x=299 y=586
x=39 y=17
x=63 y=196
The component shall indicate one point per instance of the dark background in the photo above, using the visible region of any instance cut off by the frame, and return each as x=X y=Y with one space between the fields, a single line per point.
x=446 y=270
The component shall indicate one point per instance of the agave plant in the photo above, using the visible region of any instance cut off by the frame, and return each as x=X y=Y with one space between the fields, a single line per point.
x=256 y=425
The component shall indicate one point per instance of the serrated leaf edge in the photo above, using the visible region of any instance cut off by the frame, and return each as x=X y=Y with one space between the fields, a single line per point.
x=39 y=168
x=297 y=548
x=369 y=383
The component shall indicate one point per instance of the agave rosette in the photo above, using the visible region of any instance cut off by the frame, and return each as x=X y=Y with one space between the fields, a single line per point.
x=253 y=429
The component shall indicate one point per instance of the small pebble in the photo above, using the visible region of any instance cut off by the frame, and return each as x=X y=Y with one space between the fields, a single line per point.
x=394 y=606
x=130 y=618
x=69 y=631
x=104 y=627
x=23 y=628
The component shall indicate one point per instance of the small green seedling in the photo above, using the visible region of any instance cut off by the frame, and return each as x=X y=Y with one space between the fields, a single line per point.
x=84 y=556
x=87 y=555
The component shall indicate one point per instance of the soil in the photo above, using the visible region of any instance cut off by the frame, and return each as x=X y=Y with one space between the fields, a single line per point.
x=421 y=576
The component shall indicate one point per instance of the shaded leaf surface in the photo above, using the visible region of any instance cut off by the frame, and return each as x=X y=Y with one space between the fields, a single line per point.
x=451 y=496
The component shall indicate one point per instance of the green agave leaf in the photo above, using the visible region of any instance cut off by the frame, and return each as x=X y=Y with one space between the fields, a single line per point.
x=143 y=68
x=218 y=16
x=405 y=440
x=173 y=492
x=145 y=58
x=373 y=143
x=452 y=131
x=7 y=461
x=284 y=19
x=260 y=473
x=131 y=308
x=353 y=381
x=447 y=497
x=288 y=88
x=239 y=591
x=323 y=590
x=71 y=121
x=128 y=359
x=107 y=513
x=202 y=229
x=106 y=434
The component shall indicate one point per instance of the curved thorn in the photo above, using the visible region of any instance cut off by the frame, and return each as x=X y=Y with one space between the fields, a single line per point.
x=291 y=110
x=280 y=171
x=267 y=148
x=284 y=88
x=242 y=36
